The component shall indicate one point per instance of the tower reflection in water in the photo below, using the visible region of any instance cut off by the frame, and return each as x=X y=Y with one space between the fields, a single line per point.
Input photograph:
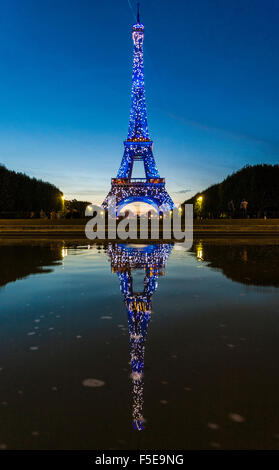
x=124 y=260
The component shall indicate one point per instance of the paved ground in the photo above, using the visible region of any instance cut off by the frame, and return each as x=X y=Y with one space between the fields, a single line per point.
x=75 y=227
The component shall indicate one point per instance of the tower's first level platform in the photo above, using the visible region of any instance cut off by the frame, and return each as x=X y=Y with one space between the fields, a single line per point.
x=125 y=191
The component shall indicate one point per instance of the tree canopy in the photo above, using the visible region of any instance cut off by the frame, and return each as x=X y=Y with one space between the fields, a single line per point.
x=20 y=193
x=258 y=184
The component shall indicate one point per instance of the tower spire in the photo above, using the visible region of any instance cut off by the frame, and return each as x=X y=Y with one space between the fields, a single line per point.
x=138 y=16
x=138 y=129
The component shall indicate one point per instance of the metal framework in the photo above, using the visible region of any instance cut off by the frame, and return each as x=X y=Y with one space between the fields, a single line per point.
x=138 y=146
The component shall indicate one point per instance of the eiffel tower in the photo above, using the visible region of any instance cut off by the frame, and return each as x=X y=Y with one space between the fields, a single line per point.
x=124 y=260
x=138 y=147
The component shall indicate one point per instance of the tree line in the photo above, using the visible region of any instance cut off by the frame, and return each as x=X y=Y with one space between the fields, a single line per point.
x=258 y=185
x=20 y=194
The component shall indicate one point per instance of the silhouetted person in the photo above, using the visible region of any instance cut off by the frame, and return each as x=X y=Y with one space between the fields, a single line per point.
x=243 y=207
x=53 y=215
x=231 y=208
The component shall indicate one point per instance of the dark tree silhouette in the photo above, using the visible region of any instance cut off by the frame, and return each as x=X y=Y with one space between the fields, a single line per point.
x=76 y=208
x=257 y=184
x=21 y=194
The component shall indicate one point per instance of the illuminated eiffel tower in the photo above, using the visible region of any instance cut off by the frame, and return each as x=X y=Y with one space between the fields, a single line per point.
x=138 y=146
x=151 y=259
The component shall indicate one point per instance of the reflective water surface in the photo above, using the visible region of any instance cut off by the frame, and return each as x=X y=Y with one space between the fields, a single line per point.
x=139 y=347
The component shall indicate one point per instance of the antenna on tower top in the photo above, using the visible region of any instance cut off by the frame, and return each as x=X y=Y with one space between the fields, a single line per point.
x=138 y=17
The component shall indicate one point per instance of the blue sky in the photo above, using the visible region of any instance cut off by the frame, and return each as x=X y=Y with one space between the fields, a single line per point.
x=211 y=74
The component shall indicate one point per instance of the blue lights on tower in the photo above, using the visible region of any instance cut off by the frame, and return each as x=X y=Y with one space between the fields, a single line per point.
x=138 y=145
x=138 y=128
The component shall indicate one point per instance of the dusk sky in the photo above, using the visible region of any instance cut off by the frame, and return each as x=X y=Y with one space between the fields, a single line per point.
x=212 y=93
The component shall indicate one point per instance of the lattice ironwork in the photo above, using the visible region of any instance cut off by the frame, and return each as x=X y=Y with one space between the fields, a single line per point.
x=139 y=146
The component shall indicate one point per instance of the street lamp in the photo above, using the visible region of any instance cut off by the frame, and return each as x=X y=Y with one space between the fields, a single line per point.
x=198 y=205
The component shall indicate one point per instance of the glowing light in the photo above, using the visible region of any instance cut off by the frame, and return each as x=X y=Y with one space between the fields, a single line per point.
x=200 y=252
x=200 y=198
x=136 y=376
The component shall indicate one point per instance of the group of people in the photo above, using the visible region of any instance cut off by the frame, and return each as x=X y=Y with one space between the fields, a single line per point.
x=243 y=208
x=53 y=215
